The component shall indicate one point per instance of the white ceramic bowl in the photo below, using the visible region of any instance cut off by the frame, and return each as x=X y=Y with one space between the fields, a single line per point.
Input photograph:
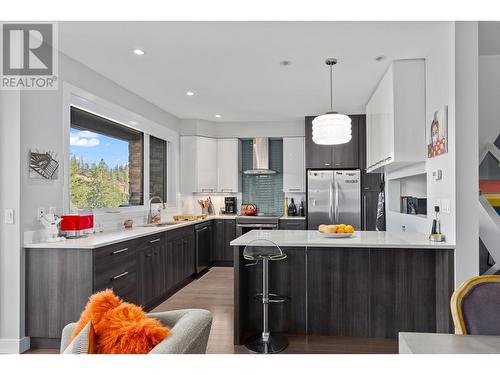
x=335 y=235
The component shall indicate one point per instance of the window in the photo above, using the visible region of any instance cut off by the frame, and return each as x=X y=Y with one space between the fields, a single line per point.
x=106 y=163
x=158 y=168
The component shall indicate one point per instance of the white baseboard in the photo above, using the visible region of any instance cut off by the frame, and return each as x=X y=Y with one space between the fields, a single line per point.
x=14 y=346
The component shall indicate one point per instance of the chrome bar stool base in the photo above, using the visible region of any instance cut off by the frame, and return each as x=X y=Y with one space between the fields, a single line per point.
x=275 y=343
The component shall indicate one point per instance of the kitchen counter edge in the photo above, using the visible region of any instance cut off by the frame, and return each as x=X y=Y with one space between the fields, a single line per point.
x=97 y=240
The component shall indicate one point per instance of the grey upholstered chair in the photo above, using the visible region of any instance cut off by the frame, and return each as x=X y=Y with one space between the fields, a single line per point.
x=475 y=306
x=190 y=331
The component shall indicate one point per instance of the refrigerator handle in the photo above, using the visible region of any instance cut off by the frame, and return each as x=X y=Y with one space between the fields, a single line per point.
x=336 y=200
x=330 y=205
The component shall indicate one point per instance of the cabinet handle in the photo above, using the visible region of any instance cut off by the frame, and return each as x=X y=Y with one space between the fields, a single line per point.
x=153 y=241
x=229 y=190
x=120 y=275
x=364 y=212
x=327 y=164
x=294 y=189
x=119 y=251
x=210 y=190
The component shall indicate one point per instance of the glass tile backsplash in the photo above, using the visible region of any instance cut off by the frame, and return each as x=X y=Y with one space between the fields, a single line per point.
x=265 y=191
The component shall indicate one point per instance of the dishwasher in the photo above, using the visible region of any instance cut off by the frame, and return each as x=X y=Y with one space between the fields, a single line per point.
x=203 y=241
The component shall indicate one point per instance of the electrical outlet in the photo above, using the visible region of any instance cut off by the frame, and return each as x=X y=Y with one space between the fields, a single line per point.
x=40 y=212
x=9 y=216
x=437 y=202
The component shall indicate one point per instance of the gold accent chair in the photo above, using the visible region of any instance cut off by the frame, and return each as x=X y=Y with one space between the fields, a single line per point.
x=475 y=306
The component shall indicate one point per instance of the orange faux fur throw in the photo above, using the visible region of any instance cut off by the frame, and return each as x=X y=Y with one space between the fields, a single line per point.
x=120 y=327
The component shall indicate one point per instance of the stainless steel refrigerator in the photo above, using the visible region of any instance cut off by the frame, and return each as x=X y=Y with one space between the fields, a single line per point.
x=333 y=197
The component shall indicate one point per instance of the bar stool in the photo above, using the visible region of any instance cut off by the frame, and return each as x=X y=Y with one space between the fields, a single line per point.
x=265 y=250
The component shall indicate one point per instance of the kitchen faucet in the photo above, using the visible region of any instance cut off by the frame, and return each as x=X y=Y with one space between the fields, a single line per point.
x=150 y=216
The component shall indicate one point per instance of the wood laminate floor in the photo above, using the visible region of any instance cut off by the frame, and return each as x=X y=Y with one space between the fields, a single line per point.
x=214 y=291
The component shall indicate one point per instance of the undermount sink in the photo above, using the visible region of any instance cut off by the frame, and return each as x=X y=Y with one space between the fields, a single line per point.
x=164 y=224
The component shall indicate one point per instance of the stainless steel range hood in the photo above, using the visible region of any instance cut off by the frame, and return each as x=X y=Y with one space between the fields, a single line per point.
x=260 y=157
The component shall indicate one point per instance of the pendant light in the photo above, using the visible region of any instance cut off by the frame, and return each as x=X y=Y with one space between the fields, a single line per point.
x=331 y=128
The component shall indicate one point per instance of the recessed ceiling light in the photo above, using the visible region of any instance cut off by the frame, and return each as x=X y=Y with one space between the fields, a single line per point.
x=189 y=93
x=380 y=58
x=218 y=116
x=285 y=63
x=133 y=122
x=138 y=52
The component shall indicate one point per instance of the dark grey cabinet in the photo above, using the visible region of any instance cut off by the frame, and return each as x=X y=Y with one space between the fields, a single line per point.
x=404 y=285
x=287 y=278
x=347 y=154
x=224 y=233
x=142 y=271
x=180 y=256
x=292 y=224
x=229 y=235
x=369 y=204
x=116 y=267
x=218 y=247
x=370 y=189
x=338 y=156
x=338 y=291
x=152 y=269
x=378 y=292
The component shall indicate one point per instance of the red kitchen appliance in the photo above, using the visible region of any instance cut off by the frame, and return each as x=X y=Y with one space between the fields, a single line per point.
x=74 y=226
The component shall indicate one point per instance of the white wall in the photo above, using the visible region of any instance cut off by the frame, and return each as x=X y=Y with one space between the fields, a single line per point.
x=489 y=99
x=439 y=92
x=11 y=255
x=278 y=129
x=467 y=151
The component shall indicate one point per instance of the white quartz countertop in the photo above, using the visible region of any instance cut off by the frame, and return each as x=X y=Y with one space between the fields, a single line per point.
x=312 y=238
x=96 y=240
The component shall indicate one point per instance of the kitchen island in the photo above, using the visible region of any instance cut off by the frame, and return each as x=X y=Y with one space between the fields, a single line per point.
x=374 y=284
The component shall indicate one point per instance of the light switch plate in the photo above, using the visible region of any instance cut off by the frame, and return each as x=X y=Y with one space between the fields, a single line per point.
x=9 y=216
x=446 y=206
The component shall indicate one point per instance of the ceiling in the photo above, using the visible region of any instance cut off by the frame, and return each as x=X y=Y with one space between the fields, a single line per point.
x=234 y=67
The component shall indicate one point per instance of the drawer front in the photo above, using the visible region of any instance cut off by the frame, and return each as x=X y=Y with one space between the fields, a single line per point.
x=124 y=285
x=116 y=274
x=293 y=224
x=111 y=256
x=181 y=232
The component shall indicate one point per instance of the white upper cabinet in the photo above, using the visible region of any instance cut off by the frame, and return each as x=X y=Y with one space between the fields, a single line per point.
x=294 y=165
x=228 y=165
x=209 y=165
x=395 y=118
x=198 y=164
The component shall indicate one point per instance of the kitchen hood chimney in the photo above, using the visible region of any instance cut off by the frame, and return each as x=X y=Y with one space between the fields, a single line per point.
x=260 y=157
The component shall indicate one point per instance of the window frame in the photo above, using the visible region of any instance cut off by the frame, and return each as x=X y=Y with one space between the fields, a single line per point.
x=82 y=123
x=76 y=97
